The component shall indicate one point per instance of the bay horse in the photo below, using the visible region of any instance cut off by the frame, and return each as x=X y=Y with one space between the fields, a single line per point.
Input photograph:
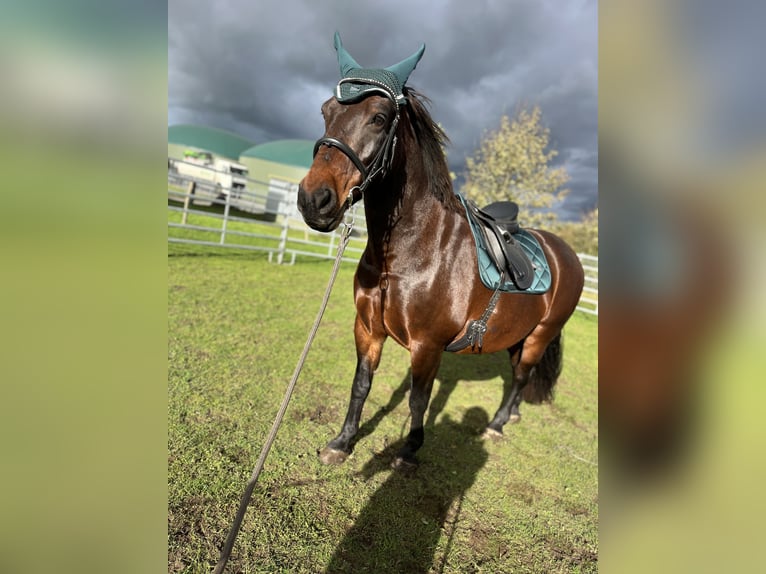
x=417 y=280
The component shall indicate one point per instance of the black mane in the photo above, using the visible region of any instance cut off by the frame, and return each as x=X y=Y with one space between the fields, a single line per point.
x=430 y=140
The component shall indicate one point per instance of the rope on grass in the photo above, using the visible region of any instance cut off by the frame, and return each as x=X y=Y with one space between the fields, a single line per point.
x=247 y=494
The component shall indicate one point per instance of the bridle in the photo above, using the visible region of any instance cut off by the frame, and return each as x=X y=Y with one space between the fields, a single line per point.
x=380 y=164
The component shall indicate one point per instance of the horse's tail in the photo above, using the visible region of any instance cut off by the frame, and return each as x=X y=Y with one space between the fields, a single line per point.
x=543 y=376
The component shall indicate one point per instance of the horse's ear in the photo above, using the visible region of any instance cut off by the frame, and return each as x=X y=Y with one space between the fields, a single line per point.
x=345 y=61
x=403 y=69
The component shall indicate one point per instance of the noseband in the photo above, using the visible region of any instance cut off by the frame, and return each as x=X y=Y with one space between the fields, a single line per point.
x=380 y=164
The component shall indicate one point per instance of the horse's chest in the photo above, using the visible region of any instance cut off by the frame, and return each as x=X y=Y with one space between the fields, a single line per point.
x=412 y=313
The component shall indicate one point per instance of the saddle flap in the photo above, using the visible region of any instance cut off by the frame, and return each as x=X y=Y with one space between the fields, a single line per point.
x=497 y=223
x=508 y=255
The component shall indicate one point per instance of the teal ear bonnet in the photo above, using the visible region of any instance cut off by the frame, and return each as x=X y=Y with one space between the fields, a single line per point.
x=358 y=82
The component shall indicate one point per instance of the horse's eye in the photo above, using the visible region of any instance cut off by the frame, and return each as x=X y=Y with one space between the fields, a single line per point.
x=379 y=120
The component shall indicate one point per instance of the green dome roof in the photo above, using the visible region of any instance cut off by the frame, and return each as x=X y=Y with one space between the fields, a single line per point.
x=299 y=153
x=217 y=141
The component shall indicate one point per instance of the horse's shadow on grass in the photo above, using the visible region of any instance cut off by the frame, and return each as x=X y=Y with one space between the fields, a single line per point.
x=399 y=528
x=401 y=525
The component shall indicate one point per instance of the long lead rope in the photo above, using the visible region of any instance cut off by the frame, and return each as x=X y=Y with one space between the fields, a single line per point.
x=245 y=500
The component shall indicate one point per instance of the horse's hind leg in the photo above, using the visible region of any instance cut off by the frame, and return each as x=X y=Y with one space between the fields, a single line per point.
x=425 y=365
x=509 y=408
x=541 y=351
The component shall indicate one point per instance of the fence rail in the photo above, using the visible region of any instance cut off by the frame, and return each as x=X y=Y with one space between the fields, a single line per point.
x=263 y=217
x=589 y=299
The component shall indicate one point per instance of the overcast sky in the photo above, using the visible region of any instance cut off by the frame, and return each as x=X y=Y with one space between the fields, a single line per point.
x=262 y=68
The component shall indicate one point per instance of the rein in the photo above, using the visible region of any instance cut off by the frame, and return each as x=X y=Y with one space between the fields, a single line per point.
x=247 y=494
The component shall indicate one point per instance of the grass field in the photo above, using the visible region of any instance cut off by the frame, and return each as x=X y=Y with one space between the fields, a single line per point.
x=236 y=326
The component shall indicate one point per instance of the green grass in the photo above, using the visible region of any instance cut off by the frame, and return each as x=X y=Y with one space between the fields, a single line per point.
x=236 y=327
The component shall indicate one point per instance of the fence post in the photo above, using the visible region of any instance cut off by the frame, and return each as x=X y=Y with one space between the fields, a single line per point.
x=331 y=246
x=225 y=217
x=283 y=233
x=190 y=189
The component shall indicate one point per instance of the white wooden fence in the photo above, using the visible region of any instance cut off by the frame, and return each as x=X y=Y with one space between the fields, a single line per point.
x=263 y=217
x=589 y=299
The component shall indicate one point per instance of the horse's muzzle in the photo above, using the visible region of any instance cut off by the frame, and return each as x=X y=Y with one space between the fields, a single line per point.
x=320 y=208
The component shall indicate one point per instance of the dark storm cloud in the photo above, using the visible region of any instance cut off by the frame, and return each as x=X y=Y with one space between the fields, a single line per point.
x=262 y=69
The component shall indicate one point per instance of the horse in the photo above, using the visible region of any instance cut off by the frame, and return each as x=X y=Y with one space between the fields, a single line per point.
x=417 y=281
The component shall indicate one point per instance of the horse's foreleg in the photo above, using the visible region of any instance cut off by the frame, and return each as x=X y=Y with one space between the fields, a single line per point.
x=425 y=365
x=368 y=350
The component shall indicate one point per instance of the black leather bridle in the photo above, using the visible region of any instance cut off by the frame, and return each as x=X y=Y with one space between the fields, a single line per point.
x=380 y=164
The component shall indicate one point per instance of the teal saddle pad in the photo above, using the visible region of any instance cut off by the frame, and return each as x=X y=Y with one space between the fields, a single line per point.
x=490 y=275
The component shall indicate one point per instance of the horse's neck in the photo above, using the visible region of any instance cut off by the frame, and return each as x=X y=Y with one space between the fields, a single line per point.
x=409 y=222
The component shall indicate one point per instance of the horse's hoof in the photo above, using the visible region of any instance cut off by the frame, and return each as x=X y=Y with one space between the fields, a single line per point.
x=332 y=456
x=491 y=434
x=405 y=465
x=514 y=419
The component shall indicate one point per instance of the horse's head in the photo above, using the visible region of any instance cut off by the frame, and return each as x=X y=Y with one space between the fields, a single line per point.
x=356 y=135
x=359 y=140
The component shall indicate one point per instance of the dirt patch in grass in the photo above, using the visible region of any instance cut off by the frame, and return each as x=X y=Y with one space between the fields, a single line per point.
x=523 y=491
x=189 y=529
x=480 y=538
x=577 y=554
x=322 y=414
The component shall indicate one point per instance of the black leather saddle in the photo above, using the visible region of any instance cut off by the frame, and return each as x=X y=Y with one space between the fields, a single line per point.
x=497 y=222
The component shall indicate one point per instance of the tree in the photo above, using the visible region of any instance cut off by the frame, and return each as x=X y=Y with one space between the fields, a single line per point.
x=513 y=163
x=582 y=235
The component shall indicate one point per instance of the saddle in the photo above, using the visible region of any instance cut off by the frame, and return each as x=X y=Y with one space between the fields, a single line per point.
x=497 y=223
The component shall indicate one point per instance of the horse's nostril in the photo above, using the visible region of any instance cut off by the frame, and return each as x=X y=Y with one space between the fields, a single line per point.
x=323 y=198
x=319 y=202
